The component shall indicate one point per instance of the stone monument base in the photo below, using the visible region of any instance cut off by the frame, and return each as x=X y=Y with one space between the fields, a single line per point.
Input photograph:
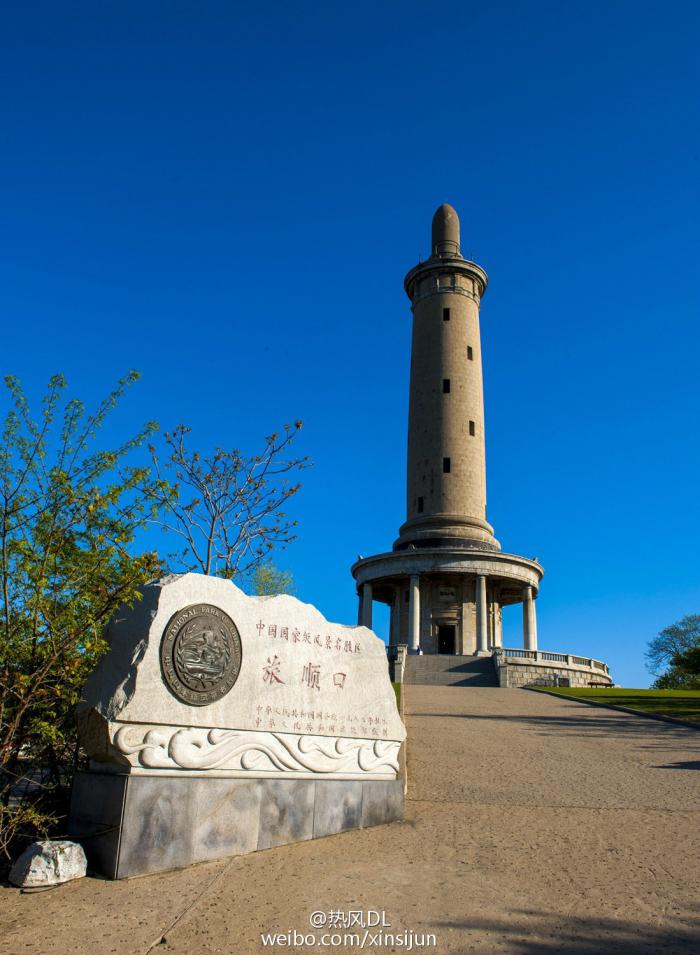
x=136 y=824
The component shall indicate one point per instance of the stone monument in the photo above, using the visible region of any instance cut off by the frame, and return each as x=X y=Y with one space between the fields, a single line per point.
x=218 y=724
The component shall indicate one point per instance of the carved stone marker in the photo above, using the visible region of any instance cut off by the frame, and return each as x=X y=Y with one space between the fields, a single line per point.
x=219 y=724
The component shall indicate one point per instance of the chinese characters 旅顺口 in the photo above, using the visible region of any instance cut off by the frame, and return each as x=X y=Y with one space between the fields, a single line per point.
x=317 y=672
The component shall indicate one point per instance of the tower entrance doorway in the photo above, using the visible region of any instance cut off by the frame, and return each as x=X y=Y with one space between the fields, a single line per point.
x=446 y=638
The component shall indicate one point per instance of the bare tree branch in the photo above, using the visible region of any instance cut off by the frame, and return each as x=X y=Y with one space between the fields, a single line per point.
x=227 y=507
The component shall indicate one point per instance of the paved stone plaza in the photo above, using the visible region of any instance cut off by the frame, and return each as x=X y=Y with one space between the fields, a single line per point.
x=533 y=825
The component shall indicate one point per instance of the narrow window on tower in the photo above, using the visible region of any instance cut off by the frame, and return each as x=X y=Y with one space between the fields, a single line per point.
x=472 y=428
x=470 y=353
x=445 y=314
x=446 y=466
x=445 y=386
x=420 y=505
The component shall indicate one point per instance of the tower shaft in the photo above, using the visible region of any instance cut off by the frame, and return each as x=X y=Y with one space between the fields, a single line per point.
x=446 y=467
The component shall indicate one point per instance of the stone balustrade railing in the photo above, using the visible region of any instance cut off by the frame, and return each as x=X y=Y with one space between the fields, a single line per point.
x=396 y=655
x=546 y=656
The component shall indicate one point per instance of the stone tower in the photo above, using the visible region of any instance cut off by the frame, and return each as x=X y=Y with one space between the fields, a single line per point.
x=446 y=476
x=446 y=578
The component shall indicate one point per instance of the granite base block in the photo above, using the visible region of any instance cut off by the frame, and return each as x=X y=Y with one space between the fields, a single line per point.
x=337 y=807
x=133 y=825
x=382 y=802
x=96 y=815
x=286 y=812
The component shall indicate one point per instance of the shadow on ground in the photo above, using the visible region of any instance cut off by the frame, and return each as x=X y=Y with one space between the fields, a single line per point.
x=652 y=733
x=689 y=764
x=578 y=935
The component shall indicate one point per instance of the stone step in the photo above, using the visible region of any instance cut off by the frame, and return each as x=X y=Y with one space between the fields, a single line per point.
x=450 y=670
x=445 y=680
x=441 y=661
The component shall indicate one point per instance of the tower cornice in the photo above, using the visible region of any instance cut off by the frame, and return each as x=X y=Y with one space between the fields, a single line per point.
x=494 y=564
x=441 y=265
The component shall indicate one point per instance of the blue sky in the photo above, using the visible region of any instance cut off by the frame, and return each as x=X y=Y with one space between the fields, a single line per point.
x=227 y=198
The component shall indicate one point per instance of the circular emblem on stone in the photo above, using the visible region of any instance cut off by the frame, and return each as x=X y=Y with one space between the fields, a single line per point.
x=200 y=654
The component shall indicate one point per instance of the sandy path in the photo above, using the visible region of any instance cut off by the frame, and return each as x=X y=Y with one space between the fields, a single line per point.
x=533 y=825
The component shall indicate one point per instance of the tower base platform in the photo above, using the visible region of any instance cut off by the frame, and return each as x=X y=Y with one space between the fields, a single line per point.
x=505 y=668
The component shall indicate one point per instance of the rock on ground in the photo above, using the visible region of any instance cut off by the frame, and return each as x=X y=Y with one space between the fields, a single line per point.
x=49 y=863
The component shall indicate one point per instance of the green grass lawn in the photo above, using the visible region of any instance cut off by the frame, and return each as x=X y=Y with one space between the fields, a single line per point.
x=681 y=704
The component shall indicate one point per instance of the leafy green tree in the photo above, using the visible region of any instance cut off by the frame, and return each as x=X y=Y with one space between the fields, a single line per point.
x=674 y=639
x=68 y=515
x=227 y=509
x=268 y=580
x=689 y=661
x=684 y=672
x=666 y=652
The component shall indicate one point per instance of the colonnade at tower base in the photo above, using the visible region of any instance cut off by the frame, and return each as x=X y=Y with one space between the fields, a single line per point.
x=449 y=600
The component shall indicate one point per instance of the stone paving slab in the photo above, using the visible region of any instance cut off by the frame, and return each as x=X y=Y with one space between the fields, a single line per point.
x=533 y=825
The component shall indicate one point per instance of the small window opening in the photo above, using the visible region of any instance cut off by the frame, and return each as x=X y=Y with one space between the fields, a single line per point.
x=445 y=386
x=445 y=314
x=470 y=353
x=420 y=505
x=446 y=465
x=472 y=428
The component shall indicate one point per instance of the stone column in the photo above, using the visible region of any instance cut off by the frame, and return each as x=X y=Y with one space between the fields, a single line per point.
x=482 y=621
x=414 y=614
x=529 y=620
x=366 y=620
x=394 y=636
x=497 y=625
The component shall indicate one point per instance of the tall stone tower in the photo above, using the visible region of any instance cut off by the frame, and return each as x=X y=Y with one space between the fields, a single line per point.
x=446 y=485
x=446 y=579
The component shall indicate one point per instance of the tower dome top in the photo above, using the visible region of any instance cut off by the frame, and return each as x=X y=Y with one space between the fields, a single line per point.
x=446 y=231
